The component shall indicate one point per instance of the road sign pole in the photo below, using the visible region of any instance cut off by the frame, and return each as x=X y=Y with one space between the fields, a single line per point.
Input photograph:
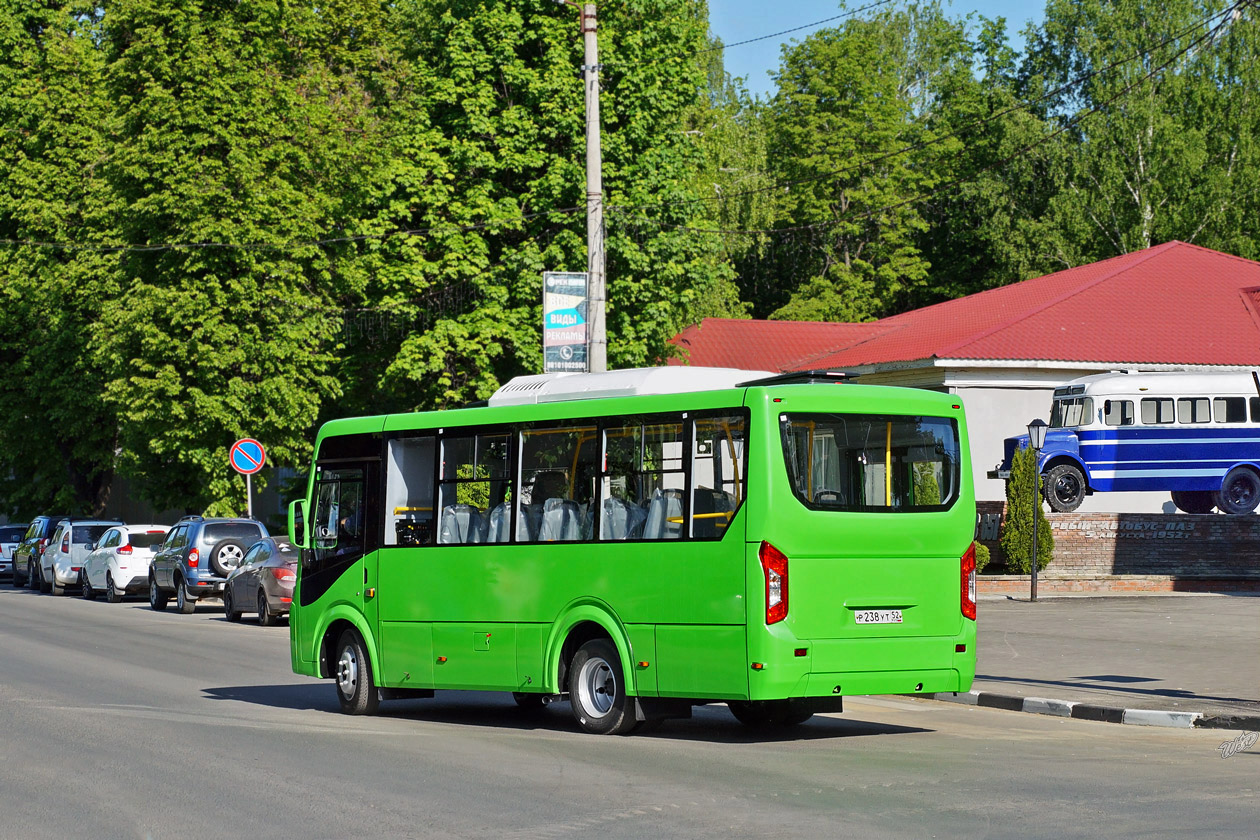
x=249 y=497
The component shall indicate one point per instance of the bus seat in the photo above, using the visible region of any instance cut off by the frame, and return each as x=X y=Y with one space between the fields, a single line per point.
x=529 y=523
x=498 y=527
x=665 y=505
x=709 y=503
x=829 y=497
x=621 y=520
x=462 y=524
x=561 y=521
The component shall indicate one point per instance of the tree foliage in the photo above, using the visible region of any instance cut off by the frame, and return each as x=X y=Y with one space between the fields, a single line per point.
x=1023 y=508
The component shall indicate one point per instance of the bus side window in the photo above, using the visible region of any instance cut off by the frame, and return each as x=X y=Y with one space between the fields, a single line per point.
x=1118 y=412
x=718 y=466
x=1193 y=410
x=475 y=490
x=558 y=470
x=409 y=512
x=644 y=482
x=1157 y=411
x=1230 y=409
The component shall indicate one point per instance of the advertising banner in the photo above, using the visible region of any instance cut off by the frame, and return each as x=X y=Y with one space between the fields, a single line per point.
x=564 y=322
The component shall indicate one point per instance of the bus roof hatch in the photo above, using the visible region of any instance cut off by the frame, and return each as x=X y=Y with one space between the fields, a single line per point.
x=674 y=379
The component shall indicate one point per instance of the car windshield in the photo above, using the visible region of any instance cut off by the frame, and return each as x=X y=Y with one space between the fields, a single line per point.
x=11 y=533
x=245 y=532
x=89 y=533
x=867 y=462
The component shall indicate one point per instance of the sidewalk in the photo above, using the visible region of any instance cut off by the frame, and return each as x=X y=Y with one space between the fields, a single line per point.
x=1157 y=660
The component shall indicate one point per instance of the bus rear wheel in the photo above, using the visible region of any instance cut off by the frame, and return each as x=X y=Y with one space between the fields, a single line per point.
x=597 y=690
x=1194 y=501
x=1240 y=492
x=759 y=714
x=1065 y=488
x=353 y=672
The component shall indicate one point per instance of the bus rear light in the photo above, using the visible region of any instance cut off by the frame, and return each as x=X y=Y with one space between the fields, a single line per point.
x=774 y=564
x=968 y=563
x=194 y=557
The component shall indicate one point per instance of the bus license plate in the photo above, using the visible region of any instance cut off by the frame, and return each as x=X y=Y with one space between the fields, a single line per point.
x=878 y=616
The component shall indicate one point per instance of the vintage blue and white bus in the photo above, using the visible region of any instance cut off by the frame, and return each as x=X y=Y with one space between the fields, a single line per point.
x=1193 y=434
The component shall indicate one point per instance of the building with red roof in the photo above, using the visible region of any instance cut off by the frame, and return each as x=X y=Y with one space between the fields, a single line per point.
x=1173 y=306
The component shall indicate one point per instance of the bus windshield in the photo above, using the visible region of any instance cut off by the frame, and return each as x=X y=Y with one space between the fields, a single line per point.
x=866 y=462
x=1077 y=411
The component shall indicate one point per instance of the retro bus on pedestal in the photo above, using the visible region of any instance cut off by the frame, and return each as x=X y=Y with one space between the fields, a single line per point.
x=1192 y=434
x=641 y=541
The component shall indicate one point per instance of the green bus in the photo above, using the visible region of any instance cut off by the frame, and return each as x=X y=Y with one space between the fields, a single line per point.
x=639 y=542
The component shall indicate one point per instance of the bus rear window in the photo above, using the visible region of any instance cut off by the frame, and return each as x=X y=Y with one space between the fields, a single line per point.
x=871 y=462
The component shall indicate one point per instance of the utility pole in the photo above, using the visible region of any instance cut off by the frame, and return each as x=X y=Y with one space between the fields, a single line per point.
x=597 y=334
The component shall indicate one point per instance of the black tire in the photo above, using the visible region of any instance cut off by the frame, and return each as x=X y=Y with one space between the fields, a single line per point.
x=184 y=604
x=266 y=618
x=56 y=588
x=157 y=598
x=1240 y=492
x=229 y=606
x=226 y=556
x=352 y=671
x=111 y=592
x=85 y=586
x=23 y=580
x=760 y=714
x=597 y=690
x=1064 y=488
x=31 y=581
x=44 y=586
x=1194 y=501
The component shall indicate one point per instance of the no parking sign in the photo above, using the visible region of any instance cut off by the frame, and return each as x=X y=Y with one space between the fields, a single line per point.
x=247 y=456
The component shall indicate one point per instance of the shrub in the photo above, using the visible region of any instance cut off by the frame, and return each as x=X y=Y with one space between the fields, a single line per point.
x=982 y=557
x=1016 y=539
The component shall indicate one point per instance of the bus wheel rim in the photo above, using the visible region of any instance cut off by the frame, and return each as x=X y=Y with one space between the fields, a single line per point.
x=347 y=672
x=597 y=687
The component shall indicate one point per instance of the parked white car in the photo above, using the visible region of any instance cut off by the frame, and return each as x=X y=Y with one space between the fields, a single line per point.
x=10 y=538
x=63 y=558
x=118 y=563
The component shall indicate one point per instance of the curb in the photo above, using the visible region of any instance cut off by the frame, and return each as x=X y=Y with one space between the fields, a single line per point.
x=1104 y=714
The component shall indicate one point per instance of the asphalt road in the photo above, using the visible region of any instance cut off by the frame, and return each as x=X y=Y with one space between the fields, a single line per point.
x=124 y=723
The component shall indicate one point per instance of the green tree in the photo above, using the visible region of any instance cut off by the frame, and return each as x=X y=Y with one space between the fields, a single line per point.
x=1016 y=540
x=850 y=102
x=57 y=438
x=243 y=125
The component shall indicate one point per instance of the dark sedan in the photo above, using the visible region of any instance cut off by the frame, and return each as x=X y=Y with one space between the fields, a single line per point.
x=262 y=582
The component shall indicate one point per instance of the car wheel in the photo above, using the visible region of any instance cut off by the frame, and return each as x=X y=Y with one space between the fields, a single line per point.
x=229 y=606
x=1239 y=493
x=597 y=690
x=1064 y=488
x=157 y=598
x=265 y=617
x=85 y=587
x=353 y=672
x=226 y=557
x=183 y=603
x=1194 y=501
x=16 y=584
x=111 y=593
x=44 y=586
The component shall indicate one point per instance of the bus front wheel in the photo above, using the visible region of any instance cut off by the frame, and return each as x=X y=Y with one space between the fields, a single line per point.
x=1194 y=501
x=1239 y=493
x=597 y=690
x=1065 y=488
x=353 y=672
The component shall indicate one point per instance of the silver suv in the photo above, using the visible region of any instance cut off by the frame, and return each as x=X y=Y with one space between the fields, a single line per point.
x=67 y=549
x=196 y=557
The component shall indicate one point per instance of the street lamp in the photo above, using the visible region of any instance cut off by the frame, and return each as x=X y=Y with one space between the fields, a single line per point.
x=1036 y=440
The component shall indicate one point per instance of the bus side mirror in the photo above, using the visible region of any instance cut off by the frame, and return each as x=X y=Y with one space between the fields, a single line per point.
x=297 y=524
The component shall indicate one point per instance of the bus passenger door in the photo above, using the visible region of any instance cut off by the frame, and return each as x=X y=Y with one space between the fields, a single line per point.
x=340 y=565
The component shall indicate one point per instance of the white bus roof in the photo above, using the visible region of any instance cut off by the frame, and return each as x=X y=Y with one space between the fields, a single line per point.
x=675 y=379
x=1163 y=383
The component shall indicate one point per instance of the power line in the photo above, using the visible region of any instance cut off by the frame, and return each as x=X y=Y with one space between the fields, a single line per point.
x=922 y=144
x=1210 y=35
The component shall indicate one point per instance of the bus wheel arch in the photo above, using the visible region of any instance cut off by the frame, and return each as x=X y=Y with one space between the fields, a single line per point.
x=1240 y=491
x=1065 y=485
x=578 y=625
x=330 y=638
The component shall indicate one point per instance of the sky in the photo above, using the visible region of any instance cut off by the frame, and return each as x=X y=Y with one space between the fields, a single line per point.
x=739 y=20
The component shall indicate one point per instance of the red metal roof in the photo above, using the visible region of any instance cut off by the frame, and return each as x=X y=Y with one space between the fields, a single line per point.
x=1171 y=304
